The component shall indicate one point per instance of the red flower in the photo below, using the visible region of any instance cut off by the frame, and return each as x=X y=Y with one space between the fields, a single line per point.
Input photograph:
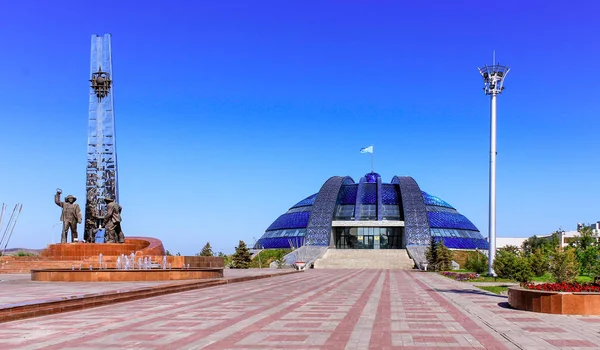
x=565 y=287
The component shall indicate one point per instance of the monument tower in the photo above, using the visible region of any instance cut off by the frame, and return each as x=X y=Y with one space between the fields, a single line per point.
x=102 y=179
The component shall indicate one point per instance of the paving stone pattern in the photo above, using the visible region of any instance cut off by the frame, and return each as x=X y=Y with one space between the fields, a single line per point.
x=19 y=289
x=318 y=309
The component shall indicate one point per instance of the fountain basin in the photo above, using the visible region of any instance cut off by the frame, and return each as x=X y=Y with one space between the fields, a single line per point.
x=114 y=275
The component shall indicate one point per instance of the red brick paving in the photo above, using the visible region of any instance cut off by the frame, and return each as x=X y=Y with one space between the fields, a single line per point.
x=318 y=309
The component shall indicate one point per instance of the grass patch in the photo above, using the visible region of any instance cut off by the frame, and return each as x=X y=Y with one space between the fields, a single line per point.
x=266 y=257
x=546 y=278
x=494 y=289
x=491 y=279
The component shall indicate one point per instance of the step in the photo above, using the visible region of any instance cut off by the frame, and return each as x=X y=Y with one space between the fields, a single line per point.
x=366 y=258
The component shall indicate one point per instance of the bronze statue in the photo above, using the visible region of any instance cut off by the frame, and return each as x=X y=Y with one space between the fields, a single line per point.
x=112 y=222
x=70 y=216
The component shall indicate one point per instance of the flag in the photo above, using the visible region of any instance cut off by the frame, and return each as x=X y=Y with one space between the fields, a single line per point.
x=367 y=149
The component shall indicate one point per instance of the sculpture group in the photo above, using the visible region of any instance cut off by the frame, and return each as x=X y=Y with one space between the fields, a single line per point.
x=71 y=217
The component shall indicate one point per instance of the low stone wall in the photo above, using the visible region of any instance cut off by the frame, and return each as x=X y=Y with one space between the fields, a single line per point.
x=554 y=302
x=67 y=275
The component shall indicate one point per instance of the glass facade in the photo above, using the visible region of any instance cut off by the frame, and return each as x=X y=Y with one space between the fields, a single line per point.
x=368 y=237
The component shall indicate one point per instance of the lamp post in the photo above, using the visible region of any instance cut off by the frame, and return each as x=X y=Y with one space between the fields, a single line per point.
x=493 y=77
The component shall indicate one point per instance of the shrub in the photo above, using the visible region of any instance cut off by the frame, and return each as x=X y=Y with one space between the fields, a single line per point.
x=539 y=262
x=505 y=263
x=563 y=265
x=476 y=262
x=510 y=265
x=523 y=273
x=22 y=253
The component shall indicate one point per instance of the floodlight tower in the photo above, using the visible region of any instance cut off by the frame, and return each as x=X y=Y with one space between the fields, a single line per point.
x=493 y=77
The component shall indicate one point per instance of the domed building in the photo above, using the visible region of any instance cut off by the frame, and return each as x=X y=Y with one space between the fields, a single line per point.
x=371 y=214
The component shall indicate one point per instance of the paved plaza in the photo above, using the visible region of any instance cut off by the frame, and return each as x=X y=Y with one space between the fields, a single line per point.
x=19 y=289
x=317 y=309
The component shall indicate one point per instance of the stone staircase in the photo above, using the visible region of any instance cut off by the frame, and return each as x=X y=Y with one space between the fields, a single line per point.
x=365 y=258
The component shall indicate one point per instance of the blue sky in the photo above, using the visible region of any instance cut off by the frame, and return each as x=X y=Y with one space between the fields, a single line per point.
x=230 y=112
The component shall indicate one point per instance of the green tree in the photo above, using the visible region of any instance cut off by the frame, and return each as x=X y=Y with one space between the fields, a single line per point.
x=539 y=262
x=588 y=259
x=563 y=265
x=444 y=256
x=522 y=273
x=505 y=263
x=546 y=244
x=476 y=262
x=431 y=254
x=512 y=265
x=438 y=256
x=587 y=238
x=280 y=261
x=241 y=258
x=207 y=250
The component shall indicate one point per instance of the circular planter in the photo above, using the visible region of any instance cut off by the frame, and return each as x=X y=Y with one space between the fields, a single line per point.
x=563 y=303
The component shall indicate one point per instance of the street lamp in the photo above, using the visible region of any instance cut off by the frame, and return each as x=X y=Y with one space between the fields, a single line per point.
x=493 y=77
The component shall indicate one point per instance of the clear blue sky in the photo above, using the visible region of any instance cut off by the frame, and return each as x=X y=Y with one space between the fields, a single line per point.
x=229 y=112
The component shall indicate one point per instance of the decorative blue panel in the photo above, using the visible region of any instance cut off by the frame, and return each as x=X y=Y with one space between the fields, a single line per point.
x=438 y=208
x=348 y=194
x=450 y=220
x=279 y=242
x=291 y=220
x=389 y=194
x=369 y=194
x=306 y=201
x=359 y=195
x=372 y=177
x=319 y=225
x=433 y=200
x=464 y=243
x=416 y=224
x=379 y=200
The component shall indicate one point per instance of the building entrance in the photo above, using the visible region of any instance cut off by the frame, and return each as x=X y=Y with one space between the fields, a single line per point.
x=368 y=237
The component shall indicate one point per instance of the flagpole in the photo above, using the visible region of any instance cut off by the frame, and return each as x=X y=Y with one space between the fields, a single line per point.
x=372 y=155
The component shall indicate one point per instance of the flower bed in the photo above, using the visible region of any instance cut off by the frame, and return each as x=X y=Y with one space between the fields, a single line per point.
x=557 y=298
x=461 y=276
x=566 y=287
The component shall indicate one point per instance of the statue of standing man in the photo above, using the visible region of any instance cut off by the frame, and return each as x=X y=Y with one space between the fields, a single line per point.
x=70 y=216
x=112 y=222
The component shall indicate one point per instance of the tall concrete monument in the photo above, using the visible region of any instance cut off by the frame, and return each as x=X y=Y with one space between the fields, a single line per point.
x=102 y=174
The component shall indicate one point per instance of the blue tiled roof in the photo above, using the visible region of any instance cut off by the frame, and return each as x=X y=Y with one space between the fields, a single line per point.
x=433 y=200
x=464 y=243
x=306 y=201
x=449 y=220
x=348 y=194
x=389 y=195
x=279 y=242
x=290 y=220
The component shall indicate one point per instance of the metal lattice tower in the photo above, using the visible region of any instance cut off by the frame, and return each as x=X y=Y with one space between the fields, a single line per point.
x=102 y=179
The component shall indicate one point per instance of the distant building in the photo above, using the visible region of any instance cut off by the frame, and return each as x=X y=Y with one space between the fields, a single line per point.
x=565 y=237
